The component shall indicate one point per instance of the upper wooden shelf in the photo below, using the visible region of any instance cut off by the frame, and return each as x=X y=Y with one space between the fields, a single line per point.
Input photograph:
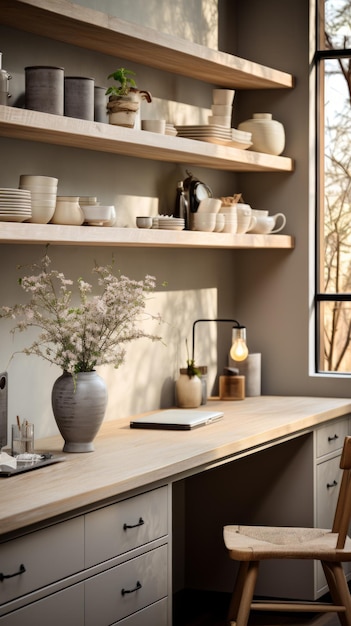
x=71 y=23
x=11 y=232
x=75 y=133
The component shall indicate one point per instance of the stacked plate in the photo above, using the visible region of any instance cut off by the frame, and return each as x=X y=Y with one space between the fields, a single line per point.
x=43 y=191
x=213 y=133
x=15 y=205
x=170 y=130
x=171 y=223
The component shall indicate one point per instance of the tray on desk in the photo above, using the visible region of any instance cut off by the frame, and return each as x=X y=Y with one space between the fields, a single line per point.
x=27 y=466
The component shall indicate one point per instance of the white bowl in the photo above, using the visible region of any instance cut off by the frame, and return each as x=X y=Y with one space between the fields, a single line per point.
x=209 y=205
x=220 y=120
x=154 y=126
x=42 y=214
x=205 y=221
x=27 y=179
x=220 y=219
x=143 y=221
x=223 y=96
x=96 y=213
x=42 y=197
x=40 y=188
x=221 y=109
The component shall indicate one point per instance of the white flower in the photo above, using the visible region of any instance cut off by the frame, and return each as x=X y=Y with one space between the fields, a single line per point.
x=80 y=337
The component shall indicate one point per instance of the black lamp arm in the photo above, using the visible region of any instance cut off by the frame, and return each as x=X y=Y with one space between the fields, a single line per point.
x=237 y=325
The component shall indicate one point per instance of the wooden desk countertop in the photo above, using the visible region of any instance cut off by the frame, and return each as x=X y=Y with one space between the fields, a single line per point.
x=127 y=459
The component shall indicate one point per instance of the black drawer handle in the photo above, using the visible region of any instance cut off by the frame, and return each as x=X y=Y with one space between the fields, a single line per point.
x=140 y=523
x=333 y=437
x=137 y=586
x=333 y=484
x=20 y=571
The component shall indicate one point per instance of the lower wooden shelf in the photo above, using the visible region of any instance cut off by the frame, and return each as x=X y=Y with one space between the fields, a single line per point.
x=23 y=233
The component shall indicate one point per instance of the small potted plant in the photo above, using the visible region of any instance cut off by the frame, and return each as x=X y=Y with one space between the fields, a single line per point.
x=124 y=98
x=188 y=386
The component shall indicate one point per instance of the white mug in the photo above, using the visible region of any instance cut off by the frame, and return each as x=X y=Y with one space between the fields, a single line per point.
x=245 y=218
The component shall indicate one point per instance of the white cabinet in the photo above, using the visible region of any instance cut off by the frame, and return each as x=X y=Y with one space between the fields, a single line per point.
x=86 y=28
x=100 y=567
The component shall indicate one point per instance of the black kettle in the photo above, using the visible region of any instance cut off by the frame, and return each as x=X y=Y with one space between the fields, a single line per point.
x=195 y=191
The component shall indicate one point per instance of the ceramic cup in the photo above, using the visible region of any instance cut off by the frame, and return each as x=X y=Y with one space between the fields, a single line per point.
x=223 y=96
x=245 y=218
x=154 y=126
x=266 y=224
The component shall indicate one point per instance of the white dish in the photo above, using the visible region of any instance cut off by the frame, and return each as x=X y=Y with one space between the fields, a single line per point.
x=13 y=218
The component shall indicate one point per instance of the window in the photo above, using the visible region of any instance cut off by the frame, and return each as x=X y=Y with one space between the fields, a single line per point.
x=333 y=280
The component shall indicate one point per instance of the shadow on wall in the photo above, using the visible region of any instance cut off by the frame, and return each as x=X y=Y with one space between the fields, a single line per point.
x=187 y=19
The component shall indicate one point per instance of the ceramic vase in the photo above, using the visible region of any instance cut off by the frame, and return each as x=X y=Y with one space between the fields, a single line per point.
x=79 y=408
x=189 y=391
x=268 y=135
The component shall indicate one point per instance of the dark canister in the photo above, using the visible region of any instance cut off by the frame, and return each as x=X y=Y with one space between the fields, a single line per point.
x=44 y=89
x=100 y=102
x=79 y=97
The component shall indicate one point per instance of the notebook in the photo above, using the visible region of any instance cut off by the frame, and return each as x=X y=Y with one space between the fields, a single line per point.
x=176 y=419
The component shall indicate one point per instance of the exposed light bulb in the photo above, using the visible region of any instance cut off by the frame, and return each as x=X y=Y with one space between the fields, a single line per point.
x=239 y=351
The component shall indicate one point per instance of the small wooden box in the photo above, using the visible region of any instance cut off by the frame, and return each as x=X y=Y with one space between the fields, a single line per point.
x=232 y=387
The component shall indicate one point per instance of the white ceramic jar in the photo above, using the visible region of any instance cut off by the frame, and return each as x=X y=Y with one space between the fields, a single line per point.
x=268 y=135
x=68 y=211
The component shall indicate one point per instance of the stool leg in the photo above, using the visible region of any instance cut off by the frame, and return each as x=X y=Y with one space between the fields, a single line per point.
x=240 y=605
x=339 y=590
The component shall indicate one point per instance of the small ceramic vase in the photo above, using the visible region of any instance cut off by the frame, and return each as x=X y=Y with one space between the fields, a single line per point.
x=68 y=211
x=189 y=392
x=268 y=135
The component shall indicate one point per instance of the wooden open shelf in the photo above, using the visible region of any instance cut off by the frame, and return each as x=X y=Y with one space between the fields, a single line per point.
x=80 y=26
x=11 y=232
x=74 y=24
x=75 y=133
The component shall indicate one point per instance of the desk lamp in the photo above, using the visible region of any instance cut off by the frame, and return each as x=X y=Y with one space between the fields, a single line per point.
x=238 y=351
x=230 y=387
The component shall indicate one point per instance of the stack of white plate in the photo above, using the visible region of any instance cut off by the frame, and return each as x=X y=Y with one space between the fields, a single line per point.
x=15 y=205
x=170 y=130
x=171 y=223
x=213 y=133
x=43 y=193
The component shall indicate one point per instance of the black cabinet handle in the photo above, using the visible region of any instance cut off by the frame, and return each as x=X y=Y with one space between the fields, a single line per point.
x=333 y=437
x=140 y=523
x=137 y=586
x=20 y=571
x=333 y=484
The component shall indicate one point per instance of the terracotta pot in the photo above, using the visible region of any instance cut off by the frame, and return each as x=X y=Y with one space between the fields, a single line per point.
x=79 y=409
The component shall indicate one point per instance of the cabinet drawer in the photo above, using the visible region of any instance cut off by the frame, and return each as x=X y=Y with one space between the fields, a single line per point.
x=47 y=555
x=120 y=527
x=65 y=607
x=328 y=478
x=105 y=599
x=153 y=615
x=330 y=438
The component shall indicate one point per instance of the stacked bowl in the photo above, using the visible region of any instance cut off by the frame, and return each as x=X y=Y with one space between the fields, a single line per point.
x=43 y=191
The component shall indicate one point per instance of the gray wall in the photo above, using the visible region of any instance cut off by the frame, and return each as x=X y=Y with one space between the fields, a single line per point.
x=266 y=290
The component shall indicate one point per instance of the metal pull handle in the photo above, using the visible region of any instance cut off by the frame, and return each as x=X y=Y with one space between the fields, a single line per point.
x=20 y=571
x=333 y=437
x=333 y=484
x=137 y=586
x=140 y=523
